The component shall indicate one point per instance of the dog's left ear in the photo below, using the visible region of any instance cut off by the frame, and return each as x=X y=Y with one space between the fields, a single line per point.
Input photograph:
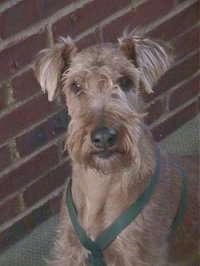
x=51 y=63
x=150 y=57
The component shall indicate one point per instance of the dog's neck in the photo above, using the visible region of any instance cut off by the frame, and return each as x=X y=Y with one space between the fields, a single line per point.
x=101 y=198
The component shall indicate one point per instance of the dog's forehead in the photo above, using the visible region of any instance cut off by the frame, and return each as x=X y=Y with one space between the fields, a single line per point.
x=101 y=55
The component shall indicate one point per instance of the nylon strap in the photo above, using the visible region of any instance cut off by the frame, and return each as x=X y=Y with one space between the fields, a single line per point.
x=96 y=247
x=108 y=235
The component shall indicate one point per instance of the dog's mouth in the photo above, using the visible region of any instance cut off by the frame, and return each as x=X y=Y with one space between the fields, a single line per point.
x=106 y=154
x=108 y=160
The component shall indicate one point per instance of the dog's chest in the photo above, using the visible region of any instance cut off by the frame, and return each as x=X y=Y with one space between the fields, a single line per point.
x=123 y=251
x=120 y=252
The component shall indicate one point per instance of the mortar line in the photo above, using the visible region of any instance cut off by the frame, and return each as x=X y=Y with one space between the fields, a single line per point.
x=172 y=113
x=36 y=206
x=8 y=4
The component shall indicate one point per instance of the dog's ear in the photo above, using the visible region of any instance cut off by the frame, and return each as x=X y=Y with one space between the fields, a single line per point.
x=152 y=58
x=51 y=63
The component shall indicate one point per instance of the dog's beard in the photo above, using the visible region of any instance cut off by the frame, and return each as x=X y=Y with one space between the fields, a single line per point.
x=107 y=164
x=124 y=155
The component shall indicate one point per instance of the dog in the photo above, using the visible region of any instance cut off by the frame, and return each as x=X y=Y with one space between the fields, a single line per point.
x=116 y=164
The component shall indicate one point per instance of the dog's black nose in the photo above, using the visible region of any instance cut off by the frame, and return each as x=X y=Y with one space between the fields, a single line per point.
x=104 y=137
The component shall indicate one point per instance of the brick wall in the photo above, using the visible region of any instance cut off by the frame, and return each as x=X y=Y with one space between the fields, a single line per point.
x=33 y=166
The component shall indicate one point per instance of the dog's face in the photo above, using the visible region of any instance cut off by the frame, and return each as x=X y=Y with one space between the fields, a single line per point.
x=101 y=88
x=102 y=85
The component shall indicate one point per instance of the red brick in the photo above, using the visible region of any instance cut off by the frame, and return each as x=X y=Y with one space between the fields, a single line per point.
x=21 y=54
x=17 y=18
x=48 y=7
x=26 y=13
x=155 y=110
x=22 y=227
x=55 y=203
x=174 y=122
x=86 y=17
x=24 y=116
x=39 y=215
x=143 y=14
x=180 y=1
x=25 y=85
x=3 y=100
x=2 y=104
x=14 y=233
x=40 y=135
x=178 y=24
x=5 y=157
x=175 y=75
x=9 y=210
x=184 y=93
x=47 y=184
x=28 y=171
x=187 y=43
x=90 y=39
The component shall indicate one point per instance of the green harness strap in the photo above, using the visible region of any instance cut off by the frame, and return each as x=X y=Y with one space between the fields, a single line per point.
x=96 y=247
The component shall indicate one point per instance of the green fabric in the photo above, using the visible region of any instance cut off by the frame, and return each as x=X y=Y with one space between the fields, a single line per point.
x=96 y=247
x=97 y=257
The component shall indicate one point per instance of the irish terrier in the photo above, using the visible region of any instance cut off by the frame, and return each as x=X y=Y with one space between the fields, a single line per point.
x=127 y=203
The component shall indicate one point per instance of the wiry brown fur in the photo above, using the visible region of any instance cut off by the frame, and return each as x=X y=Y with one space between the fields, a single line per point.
x=103 y=188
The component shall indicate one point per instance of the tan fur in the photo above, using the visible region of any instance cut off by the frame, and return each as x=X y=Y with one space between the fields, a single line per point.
x=103 y=188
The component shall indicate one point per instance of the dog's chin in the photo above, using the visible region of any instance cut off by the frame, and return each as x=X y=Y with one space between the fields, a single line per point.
x=108 y=161
x=106 y=155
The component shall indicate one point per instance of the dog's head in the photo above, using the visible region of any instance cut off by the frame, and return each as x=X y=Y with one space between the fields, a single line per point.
x=103 y=86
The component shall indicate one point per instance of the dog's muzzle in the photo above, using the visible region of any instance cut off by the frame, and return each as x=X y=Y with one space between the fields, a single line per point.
x=104 y=137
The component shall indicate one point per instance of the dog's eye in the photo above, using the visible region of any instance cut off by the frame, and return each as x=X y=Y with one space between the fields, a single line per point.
x=76 y=87
x=125 y=83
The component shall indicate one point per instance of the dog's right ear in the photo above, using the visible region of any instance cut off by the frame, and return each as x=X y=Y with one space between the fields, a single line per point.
x=51 y=63
x=151 y=57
